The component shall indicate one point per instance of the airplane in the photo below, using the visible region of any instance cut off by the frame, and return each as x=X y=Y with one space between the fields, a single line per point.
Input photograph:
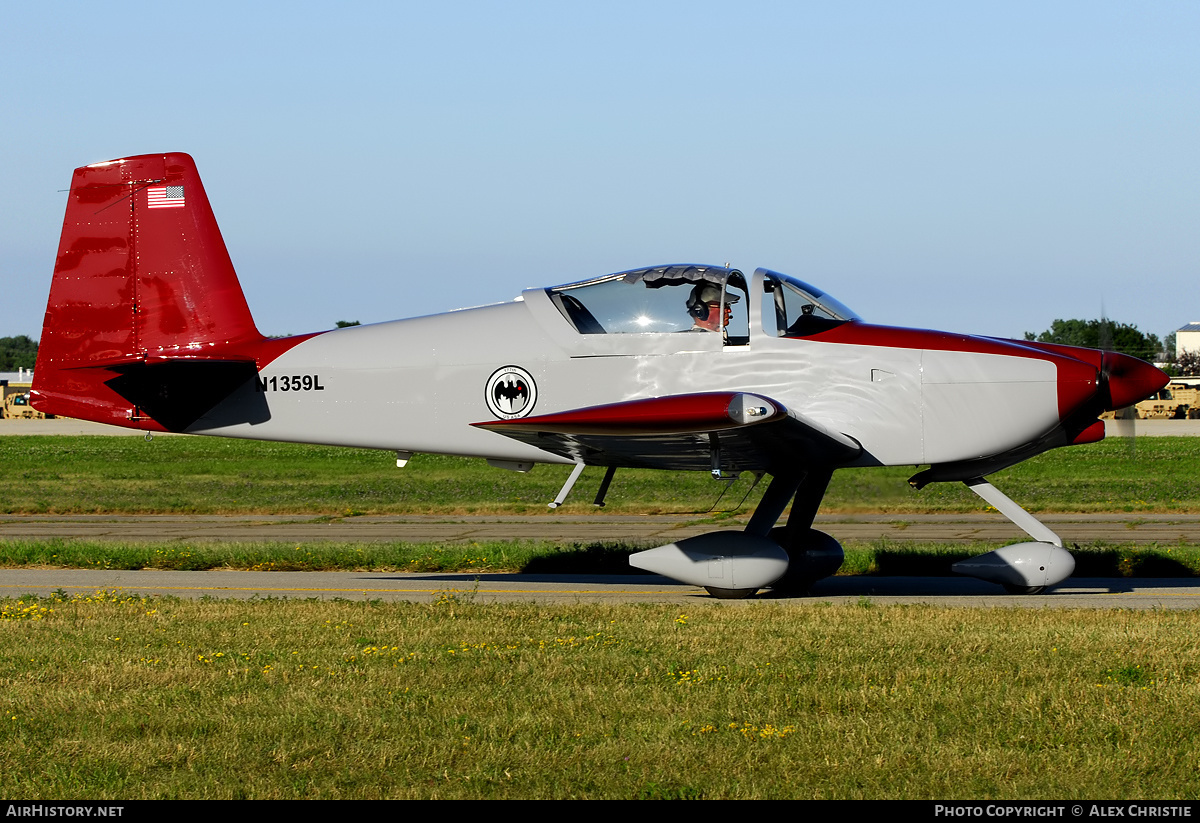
x=680 y=367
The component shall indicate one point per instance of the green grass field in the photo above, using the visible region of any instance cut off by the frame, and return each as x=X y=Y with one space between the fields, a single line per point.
x=115 y=696
x=214 y=475
x=121 y=697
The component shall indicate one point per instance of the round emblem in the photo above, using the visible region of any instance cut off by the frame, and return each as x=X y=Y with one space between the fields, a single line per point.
x=510 y=392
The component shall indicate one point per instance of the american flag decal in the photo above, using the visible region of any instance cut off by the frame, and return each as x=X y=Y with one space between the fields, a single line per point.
x=164 y=197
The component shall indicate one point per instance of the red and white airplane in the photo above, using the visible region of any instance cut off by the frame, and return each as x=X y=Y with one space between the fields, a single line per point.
x=670 y=367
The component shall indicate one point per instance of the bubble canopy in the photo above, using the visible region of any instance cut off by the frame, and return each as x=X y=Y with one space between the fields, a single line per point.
x=684 y=298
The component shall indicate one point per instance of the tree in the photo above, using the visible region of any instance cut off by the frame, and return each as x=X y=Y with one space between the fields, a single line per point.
x=1101 y=334
x=18 y=352
x=345 y=324
x=1187 y=364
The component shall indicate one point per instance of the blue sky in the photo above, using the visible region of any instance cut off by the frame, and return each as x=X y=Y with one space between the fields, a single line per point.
x=977 y=167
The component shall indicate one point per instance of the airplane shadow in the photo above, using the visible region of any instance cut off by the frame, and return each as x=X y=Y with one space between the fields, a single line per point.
x=1089 y=562
x=894 y=573
x=957 y=586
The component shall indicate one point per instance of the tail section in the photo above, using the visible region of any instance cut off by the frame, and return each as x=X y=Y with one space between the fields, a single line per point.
x=146 y=325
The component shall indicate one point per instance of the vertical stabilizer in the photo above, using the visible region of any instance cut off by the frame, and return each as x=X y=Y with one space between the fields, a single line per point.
x=142 y=277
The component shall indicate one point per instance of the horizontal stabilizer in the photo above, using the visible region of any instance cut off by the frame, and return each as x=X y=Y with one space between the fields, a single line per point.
x=177 y=393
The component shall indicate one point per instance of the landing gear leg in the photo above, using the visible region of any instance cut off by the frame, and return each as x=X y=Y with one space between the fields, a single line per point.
x=812 y=554
x=774 y=501
x=1002 y=503
x=1024 y=568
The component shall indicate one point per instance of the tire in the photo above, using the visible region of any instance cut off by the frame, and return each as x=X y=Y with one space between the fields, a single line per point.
x=730 y=594
x=1011 y=589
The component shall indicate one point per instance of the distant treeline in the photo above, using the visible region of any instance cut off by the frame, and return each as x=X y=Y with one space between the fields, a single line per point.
x=18 y=352
x=1105 y=334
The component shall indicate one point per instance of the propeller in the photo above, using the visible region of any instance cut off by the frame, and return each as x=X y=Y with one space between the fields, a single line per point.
x=1125 y=417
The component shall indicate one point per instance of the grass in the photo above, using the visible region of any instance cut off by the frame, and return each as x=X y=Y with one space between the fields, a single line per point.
x=490 y=556
x=116 y=696
x=201 y=475
x=121 y=697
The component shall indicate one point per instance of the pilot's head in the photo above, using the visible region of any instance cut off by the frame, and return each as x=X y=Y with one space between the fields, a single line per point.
x=704 y=305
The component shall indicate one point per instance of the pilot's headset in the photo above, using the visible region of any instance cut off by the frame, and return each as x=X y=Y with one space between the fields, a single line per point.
x=697 y=302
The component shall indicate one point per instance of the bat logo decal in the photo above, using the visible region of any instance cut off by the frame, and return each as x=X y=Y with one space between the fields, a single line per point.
x=510 y=392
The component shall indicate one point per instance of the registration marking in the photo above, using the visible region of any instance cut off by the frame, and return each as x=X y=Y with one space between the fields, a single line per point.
x=290 y=382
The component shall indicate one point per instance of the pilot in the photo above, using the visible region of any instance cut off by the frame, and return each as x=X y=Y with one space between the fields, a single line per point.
x=704 y=306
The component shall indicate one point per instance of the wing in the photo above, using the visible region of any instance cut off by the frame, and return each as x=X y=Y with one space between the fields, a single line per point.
x=748 y=433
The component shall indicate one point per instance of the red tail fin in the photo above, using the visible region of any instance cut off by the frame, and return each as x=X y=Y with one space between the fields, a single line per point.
x=142 y=276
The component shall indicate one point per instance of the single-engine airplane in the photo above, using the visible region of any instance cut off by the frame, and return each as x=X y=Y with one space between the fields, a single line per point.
x=686 y=367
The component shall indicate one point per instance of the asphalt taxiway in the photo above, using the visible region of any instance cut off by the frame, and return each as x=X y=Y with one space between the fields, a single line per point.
x=579 y=588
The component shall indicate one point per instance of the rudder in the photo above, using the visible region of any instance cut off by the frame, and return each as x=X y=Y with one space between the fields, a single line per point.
x=142 y=278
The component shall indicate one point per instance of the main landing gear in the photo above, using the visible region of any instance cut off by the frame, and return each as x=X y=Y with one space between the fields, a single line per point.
x=735 y=565
x=791 y=558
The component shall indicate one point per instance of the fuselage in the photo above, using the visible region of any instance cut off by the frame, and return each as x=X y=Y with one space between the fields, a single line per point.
x=907 y=396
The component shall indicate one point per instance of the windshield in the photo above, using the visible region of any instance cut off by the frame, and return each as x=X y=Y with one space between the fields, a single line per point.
x=793 y=308
x=663 y=299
